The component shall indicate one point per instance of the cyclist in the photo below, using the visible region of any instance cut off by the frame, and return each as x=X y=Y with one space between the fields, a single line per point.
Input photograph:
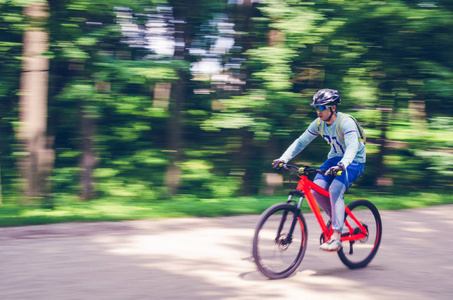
x=347 y=154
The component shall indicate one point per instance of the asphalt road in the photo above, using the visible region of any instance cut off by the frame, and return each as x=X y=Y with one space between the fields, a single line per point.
x=209 y=258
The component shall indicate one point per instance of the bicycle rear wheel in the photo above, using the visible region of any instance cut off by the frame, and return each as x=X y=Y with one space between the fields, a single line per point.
x=358 y=254
x=280 y=240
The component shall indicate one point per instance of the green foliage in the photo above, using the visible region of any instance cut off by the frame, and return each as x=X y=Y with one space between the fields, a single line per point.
x=12 y=26
x=198 y=179
x=299 y=23
x=276 y=71
x=378 y=54
x=117 y=209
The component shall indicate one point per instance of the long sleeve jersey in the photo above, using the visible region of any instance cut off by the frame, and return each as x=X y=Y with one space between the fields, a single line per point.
x=343 y=140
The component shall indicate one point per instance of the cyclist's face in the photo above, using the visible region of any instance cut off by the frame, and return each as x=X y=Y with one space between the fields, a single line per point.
x=324 y=112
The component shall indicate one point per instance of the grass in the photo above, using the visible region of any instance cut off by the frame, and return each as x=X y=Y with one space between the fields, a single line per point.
x=117 y=210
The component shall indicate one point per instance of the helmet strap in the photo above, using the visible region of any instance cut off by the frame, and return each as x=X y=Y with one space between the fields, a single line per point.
x=331 y=114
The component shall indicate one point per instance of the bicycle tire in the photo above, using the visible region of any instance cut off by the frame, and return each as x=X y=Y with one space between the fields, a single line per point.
x=363 y=251
x=279 y=256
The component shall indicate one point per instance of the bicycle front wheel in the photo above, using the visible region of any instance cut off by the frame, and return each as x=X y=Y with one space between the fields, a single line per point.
x=280 y=241
x=359 y=253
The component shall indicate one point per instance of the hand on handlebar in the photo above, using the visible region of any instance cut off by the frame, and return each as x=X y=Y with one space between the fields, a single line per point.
x=279 y=164
x=335 y=170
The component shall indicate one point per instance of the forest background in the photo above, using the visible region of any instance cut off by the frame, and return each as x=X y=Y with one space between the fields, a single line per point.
x=120 y=109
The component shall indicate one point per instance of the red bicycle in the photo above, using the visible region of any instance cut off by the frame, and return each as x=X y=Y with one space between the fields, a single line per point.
x=280 y=239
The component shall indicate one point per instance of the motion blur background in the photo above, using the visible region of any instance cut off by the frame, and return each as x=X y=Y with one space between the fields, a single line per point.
x=147 y=100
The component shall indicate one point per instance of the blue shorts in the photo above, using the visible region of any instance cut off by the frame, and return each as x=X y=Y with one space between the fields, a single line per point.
x=353 y=171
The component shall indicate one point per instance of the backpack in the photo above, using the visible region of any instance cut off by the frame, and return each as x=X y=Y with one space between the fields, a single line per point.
x=362 y=137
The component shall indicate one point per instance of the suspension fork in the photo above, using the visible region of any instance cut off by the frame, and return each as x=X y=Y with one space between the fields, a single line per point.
x=285 y=215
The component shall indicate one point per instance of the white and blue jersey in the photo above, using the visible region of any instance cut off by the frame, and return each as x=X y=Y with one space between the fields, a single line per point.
x=342 y=135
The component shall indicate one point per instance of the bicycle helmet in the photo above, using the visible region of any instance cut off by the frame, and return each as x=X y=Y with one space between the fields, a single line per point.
x=326 y=97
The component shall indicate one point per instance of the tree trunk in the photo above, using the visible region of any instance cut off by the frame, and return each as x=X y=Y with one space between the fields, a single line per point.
x=381 y=178
x=386 y=106
x=245 y=160
x=172 y=178
x=243 y=23
x=183 y=31
x=38 y=161
x=417 y=113
x=88 y=161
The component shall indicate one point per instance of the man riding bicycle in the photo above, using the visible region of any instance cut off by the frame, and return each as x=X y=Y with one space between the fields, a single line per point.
x=347 y=154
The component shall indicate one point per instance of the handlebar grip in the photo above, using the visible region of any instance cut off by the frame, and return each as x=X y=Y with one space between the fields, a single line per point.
x=280 y=165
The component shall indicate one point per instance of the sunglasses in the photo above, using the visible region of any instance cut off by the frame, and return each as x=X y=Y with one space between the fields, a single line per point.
x=323 y=107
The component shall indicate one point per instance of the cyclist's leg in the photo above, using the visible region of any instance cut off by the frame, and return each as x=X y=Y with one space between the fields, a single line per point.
x=337 y=189
x=323 y=201
x=324 y=181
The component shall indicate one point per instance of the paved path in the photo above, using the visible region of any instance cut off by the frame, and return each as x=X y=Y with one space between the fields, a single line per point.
x=209 y=258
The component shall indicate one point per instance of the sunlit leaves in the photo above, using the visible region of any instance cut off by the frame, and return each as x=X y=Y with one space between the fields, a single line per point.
x=155 y=73
x=276 y=62
x=87 y=41
x=138 y=72
x=228 y=121
x=71 y=51
x=297 y=22
x=197 y=174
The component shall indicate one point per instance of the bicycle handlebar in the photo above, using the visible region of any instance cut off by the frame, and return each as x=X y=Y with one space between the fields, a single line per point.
x=306 y=169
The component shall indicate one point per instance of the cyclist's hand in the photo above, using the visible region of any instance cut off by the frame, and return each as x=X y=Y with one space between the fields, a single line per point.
x=279 y=164
x=334 y=170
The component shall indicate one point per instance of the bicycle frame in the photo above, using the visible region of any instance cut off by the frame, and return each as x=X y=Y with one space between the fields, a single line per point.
x=305 y=185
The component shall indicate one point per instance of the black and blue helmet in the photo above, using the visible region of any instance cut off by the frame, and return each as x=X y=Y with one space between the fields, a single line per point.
x=326 y=97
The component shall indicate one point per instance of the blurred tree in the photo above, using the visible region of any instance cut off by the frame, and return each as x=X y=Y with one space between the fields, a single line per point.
x=12 y=26
x=75 y=48
x=402 y=46
x=247 y=152
x=268 y=113
x=38 y=161
x=88 y=59
x=188 y=16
